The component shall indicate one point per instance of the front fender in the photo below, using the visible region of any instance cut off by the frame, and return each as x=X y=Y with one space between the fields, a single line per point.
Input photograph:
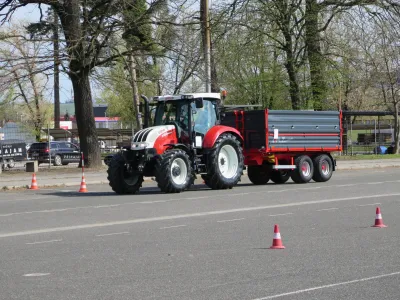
x=213 y=134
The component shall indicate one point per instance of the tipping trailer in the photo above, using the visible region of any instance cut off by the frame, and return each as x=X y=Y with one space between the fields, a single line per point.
x=283 y=144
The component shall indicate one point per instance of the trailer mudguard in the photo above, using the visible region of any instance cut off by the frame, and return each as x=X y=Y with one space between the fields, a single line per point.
x=212 y=135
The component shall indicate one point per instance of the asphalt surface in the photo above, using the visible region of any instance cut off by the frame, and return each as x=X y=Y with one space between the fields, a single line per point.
x=203 y=244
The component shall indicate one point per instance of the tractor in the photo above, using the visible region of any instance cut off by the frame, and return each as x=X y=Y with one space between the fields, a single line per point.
x=185 y=139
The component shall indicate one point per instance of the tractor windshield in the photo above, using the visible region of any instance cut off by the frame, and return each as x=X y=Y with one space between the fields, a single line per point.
x=177 y=112
x=172 y=112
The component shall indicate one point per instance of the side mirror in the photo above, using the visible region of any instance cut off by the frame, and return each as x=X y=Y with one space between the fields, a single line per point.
x=199 y=103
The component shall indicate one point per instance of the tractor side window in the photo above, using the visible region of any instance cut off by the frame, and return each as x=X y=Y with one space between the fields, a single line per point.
x=205 y=117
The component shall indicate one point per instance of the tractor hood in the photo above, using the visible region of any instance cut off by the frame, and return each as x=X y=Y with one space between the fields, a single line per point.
x=146 y=138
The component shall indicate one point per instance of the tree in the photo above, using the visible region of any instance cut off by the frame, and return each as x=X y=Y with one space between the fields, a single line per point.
x=22 y=63
x=88 y=27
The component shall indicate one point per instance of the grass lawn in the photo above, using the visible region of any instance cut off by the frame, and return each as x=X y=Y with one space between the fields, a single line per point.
x=367 y=157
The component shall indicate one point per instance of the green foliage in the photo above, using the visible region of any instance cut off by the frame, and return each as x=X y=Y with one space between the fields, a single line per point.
x=118 y=94
x=137 y=25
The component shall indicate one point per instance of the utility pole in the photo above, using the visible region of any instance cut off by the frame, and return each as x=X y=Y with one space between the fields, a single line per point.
x=205 y=25
x=56 y=73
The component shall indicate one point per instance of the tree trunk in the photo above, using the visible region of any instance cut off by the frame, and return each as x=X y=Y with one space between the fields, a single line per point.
x=396 y=128
x=85 y=119
x=314 y=53
x=56 y=74
x=291 y=70
x=214 y=77
x=135 y=90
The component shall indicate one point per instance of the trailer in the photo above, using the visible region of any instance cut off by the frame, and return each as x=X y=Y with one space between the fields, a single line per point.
x=11 y=151
x=283 y=144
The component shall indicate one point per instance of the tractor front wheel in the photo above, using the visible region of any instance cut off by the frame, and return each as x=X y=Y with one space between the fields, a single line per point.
x=122 y=177
x=174 y=172
x=225 y=163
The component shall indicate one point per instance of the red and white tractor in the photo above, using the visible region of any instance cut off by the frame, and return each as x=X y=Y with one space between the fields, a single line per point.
x=185 y=139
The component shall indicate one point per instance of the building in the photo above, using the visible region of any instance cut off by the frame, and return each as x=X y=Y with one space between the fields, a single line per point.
x=68 y=118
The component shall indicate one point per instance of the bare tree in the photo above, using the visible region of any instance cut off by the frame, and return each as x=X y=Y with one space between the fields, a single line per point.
x=88 y=27
x=22 y=63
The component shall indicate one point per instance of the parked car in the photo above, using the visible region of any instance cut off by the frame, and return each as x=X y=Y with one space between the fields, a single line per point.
x=61 y=152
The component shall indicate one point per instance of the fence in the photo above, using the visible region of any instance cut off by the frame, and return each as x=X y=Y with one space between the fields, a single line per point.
x=368 y=136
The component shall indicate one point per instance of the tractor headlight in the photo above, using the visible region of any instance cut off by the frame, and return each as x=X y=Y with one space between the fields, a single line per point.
x=139 y=146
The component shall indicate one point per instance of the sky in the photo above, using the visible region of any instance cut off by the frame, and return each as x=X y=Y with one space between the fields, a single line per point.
x=31 y=13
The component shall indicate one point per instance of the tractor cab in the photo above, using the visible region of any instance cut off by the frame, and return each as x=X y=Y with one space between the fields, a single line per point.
x=191 y=114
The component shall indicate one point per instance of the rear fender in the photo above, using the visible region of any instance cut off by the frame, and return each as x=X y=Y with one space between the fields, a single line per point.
x=213 y=134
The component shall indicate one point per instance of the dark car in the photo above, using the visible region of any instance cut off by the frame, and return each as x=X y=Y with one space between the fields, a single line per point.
x=62 y=153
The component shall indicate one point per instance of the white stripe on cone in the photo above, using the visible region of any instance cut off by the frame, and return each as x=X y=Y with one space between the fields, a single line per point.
x=378 y=217
x=277 y=236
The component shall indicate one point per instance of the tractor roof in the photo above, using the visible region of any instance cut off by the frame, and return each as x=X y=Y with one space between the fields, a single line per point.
x=187 y=96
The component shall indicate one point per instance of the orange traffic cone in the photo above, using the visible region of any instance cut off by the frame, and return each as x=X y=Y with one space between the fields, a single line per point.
x=83 y=185
x=277 y=242
x=34 y=185
x=378 y=219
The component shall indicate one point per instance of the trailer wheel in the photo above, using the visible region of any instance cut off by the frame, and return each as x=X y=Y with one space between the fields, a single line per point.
x=225 y=163
x=174 y=171
x=122 y=177
x=280 y=177
x=304 y=169
x=258 y=174
x=323 y=168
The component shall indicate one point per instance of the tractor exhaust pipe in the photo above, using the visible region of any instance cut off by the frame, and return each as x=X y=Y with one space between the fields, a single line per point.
x=146 y=111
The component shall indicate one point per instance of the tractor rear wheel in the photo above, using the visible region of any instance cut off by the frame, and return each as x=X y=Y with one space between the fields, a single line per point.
x=174 y=171
x=225 y=163
x=123 y=177
x=258 y=174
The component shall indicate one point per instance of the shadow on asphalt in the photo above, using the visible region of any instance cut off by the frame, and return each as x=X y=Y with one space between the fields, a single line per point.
x=152 y=190
x=142 y=191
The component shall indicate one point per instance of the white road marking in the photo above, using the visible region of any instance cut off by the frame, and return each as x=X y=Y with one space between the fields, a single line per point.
x=328 y=286
x=333 y=208
x=36 y=274
x=189 y=215
x=27 y=198
x=376 y=182
x=52 y=241
x=56 y=210
x=55 y=201
x=176 y=226
x=369 y=204
x=280 y=215
x=115 y=233
x=232 y=220
x=156 y=201
x=167 y=200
